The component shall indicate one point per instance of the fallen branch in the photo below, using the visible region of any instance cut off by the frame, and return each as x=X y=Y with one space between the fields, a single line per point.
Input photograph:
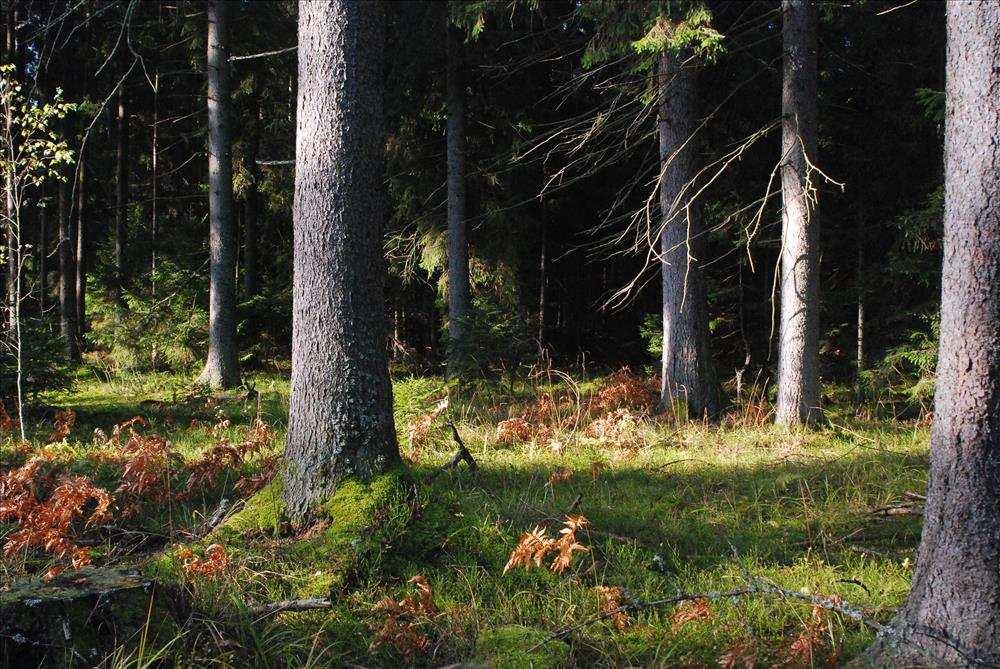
x=287 y=605
x=638 y=606
x=264 y=54
x=759 y=587
x=898 y=510
x=461 y=454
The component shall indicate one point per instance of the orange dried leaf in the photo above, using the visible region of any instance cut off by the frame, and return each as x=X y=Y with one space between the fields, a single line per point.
x=610 y=600
x=699 y=609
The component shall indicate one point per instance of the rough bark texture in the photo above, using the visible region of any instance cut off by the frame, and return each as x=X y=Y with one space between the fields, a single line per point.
x=222 y=368
x=688 y=375
x=67 y=278
x=953 y=610
x=80 y=263
x=121 y=203
x=458 y=240
x=798 y=348
x=340 y=417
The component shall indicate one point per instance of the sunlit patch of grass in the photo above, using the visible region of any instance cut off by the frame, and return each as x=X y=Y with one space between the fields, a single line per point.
x=691 y=507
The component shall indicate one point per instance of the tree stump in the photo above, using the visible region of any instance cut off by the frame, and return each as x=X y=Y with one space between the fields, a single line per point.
x=80 y=617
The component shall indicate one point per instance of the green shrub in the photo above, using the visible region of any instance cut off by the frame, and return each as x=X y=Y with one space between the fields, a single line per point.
x=166 y=331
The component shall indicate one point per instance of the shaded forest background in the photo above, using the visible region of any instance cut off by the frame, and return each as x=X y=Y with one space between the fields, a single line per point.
x=561 y=160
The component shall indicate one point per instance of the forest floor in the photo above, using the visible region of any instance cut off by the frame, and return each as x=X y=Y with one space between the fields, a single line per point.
x=690 y=509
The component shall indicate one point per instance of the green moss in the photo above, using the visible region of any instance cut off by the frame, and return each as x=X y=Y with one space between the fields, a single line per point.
x=510 y=647
x=260 y=515
x=365 y=518
x=165 y=567
x=352 y=534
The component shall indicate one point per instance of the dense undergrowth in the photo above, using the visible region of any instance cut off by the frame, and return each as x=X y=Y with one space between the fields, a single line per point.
x=414 y=562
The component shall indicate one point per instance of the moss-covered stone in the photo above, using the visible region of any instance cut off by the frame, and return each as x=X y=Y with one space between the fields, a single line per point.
x=79 y=617
x=510 y=647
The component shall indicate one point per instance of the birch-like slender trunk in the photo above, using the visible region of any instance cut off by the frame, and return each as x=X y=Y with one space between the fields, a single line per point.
x=81 y=243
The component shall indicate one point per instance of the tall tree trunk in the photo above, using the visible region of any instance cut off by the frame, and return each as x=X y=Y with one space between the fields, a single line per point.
x=458 y=241
x=80 y=264
x=43 y=252
x=154 y=222
x=250 y=210
x=12 y=53
x=340 y=417
x=860 y=281
x=798 y=348
x=67 y=277
x=542 y=267
x=121 y=201
x=953 y=610
x=222 y=369
x=688 y=374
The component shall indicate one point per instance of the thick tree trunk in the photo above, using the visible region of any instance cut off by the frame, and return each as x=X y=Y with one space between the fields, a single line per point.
x=688 y=374
x=67 y=277
x=80 y=263
x=798 y=348
x=340 y=418
x=121 y=201
x=222 y=369
x=458 y=241
x=952 y=615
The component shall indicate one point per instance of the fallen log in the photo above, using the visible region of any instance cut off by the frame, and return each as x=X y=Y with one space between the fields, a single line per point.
x=80 y=617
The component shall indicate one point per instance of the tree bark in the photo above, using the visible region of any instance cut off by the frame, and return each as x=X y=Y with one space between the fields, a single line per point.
x=542 y=267
x=43 y=251
x=458 y=241
x=251 y=207
x=860 y=361
x=340 y=417
x=222 y=368
x=67 y=278
x=121 y=201
x=798 y=348
x=12 y=53
x=154 y=221
x=953 y=610
x=688 y=374
x=80 y=263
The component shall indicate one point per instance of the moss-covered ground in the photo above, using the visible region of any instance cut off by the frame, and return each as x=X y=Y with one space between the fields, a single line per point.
x=671 y=507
